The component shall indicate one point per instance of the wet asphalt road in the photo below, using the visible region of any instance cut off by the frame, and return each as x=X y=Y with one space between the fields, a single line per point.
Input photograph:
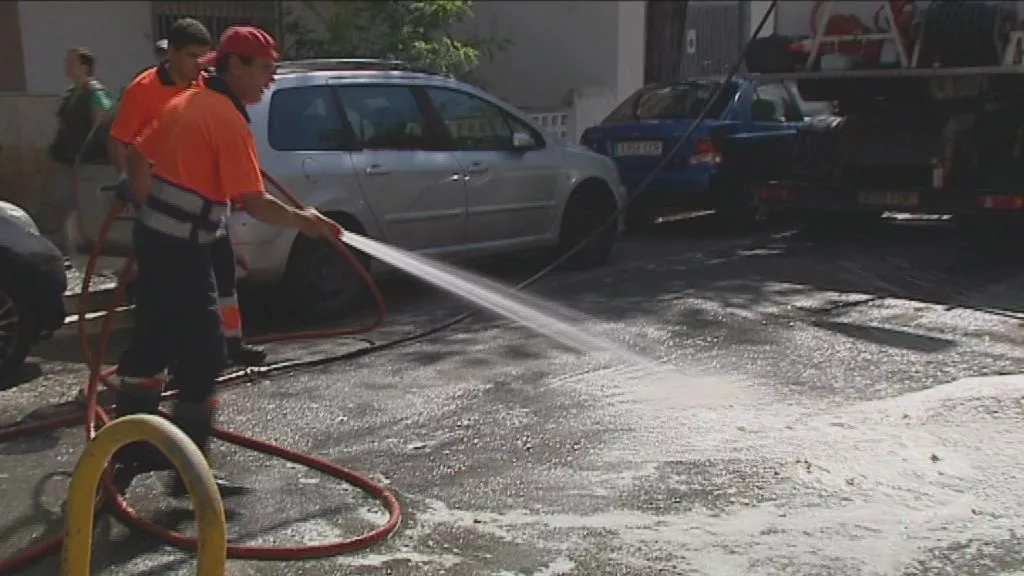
x=816 y=421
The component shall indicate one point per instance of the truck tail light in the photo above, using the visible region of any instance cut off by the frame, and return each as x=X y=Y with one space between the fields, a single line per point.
x=774 y=193
x=1002 y=202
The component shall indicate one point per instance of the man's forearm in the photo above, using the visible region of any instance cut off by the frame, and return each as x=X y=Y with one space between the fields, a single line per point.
x=117 y=152
x=139 y=174
x=266 y=208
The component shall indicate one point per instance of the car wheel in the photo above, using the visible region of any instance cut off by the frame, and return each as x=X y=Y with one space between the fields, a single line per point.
x=320 y=283
x=17 y=326
x=589 y=209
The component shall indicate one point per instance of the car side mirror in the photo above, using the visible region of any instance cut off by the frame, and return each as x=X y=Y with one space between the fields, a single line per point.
x=523 y=141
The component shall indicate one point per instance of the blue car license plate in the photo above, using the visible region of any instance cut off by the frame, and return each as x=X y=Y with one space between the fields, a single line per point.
x=638 y=148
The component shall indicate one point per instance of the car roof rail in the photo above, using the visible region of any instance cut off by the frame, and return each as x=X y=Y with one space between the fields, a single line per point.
x=348 y=64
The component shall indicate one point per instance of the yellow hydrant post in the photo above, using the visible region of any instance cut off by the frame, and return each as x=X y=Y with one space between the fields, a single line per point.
x=186 y=457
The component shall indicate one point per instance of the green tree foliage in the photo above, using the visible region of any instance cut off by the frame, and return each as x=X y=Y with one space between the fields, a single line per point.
x=417 y=31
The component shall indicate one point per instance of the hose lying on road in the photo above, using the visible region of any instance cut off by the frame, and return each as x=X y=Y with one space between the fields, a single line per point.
x=97 y=376
x=94 y=413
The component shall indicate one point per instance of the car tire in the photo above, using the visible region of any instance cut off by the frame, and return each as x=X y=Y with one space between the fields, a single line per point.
x=589 y=208
x=17 y=326
x=320 y=283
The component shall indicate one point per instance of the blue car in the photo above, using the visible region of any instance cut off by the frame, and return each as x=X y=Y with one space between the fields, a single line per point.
x=643 y=130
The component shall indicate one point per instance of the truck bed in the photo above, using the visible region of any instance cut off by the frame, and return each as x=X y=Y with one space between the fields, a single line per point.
x=869 y=73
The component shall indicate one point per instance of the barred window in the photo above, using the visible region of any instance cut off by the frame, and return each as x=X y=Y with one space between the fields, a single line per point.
x=218 y=16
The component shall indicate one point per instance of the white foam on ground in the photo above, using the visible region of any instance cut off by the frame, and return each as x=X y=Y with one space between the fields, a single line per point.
x=882 y=479
x=870 y=486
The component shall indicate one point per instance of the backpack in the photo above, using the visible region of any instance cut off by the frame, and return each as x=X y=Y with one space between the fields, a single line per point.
x=73 y=133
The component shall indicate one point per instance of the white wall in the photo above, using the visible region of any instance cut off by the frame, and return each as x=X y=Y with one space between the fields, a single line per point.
x=757 y=10
x=556 y=46
x=119 y=33
x=632 y=41
x=560 y=46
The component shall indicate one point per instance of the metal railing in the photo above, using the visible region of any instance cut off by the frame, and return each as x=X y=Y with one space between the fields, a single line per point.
x=187 y=459
x=558 y=122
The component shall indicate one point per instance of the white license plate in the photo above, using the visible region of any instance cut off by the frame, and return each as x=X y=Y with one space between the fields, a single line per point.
x=889 y=198
x=638 y=148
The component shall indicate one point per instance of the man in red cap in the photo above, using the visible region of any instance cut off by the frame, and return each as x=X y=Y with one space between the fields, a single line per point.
x=195 y=160
x=187 y=41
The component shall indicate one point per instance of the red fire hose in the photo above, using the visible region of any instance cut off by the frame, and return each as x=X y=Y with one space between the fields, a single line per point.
x=94 y=412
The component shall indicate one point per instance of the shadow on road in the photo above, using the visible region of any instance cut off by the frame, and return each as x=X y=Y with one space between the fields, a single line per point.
x=28 y=372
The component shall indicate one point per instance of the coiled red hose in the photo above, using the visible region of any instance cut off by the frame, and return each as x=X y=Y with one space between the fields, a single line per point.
x=94 y=412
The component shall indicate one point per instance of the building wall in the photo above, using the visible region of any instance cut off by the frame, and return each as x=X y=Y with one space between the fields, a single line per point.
x=757 y=10
x=26 y=126
x=632 y=47
x=559 y=47
x=117 y=32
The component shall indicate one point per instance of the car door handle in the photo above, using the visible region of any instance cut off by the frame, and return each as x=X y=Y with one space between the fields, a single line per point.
x=477 y=168
x=377 y=170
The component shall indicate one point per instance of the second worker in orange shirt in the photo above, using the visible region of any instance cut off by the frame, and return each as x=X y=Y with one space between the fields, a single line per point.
x=197 y=158
x=187 y=41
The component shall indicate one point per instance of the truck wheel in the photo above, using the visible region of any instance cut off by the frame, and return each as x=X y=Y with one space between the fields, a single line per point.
x=739 y=212
x=320 y=283
x=985 y=229
x=637 y=221
x=835 y=225
x=17 y=327
x=588 y=209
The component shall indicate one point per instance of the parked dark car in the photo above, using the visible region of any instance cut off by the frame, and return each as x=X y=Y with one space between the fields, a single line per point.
x=32 y=285
x=640 y=132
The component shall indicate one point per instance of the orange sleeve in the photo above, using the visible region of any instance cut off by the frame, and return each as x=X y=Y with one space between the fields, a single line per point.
x=238 y=164
x=131 y=114
x=149 y=138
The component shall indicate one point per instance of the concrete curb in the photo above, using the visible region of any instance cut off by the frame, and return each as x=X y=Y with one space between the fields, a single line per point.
x=100 y=300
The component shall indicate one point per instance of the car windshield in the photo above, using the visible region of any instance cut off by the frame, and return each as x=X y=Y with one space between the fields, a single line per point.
x=683 y=101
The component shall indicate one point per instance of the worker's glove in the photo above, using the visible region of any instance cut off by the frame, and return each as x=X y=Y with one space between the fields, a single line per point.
x=123 y=191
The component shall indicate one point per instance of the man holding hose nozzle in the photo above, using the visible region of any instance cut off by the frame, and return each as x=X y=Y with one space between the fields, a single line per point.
x=197 y=158
x=179 y=69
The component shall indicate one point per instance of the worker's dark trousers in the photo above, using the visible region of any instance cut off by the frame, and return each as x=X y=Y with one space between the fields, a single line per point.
x=227 y=297
x=175 y=313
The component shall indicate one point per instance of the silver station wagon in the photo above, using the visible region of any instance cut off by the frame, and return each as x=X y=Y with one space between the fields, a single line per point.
x=417 y=160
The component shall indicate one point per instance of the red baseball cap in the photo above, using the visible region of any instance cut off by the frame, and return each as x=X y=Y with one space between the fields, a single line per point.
x=248 y=41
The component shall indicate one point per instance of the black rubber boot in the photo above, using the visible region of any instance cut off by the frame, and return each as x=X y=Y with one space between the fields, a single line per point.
x=242 y=354
x=196 y=420
x=137 y=457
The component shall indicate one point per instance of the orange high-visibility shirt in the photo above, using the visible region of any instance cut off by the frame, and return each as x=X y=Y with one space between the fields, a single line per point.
x=142 y=100
x=201 y=141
